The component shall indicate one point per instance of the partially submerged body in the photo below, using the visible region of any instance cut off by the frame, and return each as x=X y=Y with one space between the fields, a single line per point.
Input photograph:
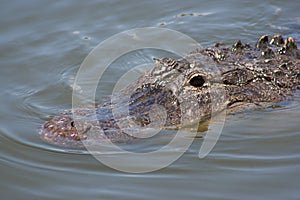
x=189 y=90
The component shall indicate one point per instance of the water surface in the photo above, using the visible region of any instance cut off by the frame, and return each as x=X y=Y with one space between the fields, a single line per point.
x=43 y=44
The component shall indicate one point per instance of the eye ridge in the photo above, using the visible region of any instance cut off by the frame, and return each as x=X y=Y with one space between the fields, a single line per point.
x=197 y=81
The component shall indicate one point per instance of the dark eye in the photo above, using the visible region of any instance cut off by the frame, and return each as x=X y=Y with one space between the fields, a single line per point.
x=72 y=124
x=197 y=81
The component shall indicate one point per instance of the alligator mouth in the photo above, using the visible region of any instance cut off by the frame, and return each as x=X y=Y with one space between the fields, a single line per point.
x=115 y=119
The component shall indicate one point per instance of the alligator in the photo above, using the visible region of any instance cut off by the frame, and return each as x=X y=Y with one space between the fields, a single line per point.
x=185 y=91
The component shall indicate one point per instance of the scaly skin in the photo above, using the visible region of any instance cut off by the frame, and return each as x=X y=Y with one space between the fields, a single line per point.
x=189 y=89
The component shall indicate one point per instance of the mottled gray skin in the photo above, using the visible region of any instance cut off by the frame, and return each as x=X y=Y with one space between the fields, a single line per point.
x=189 y=89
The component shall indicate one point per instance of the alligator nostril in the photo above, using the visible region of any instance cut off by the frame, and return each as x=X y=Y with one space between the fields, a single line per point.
x=197 y=81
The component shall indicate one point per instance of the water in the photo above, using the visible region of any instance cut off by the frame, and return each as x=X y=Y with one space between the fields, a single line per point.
x=42 y=46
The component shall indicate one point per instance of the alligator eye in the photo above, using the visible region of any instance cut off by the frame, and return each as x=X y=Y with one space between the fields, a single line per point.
x=197 y=81
x=72 y=124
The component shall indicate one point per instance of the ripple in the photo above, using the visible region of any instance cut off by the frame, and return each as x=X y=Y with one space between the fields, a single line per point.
x=43 y=45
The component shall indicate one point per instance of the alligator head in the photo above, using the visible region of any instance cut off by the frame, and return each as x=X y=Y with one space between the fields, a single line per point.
x=180 y=92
